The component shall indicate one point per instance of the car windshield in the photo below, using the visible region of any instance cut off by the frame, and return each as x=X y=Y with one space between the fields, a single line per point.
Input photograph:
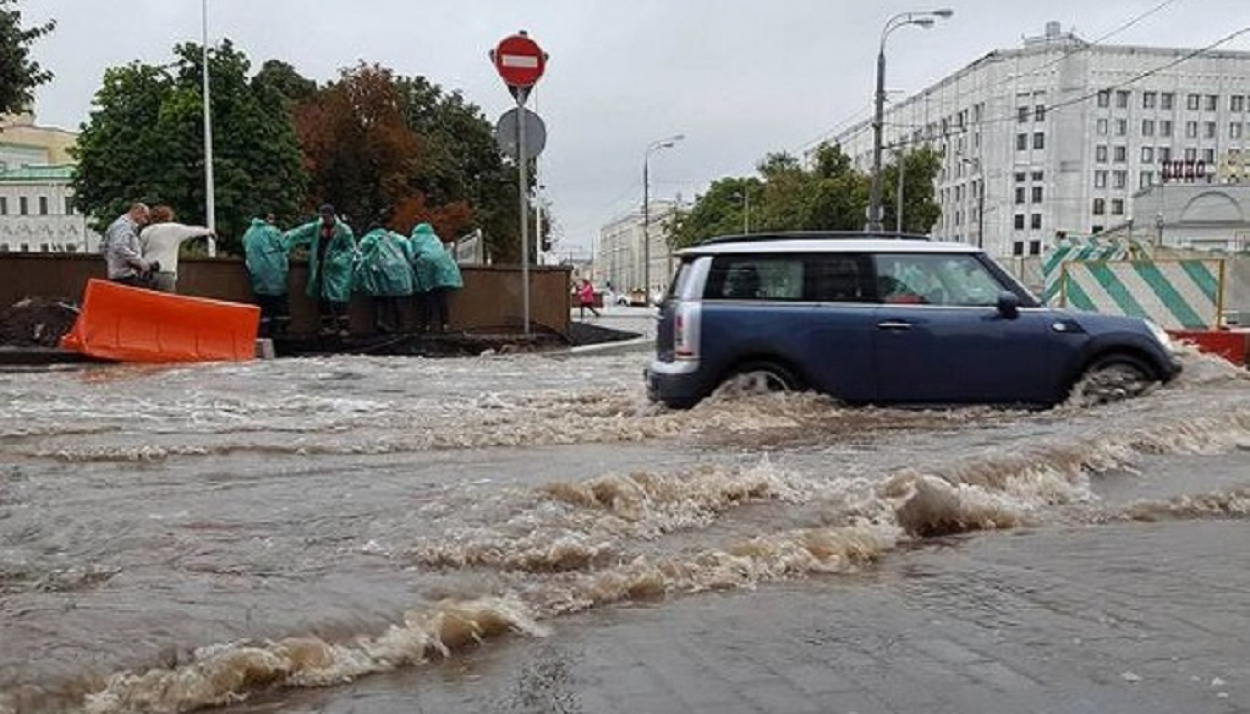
x=953 y=280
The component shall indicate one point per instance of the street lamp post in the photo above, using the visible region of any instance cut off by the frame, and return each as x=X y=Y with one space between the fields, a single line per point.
x=920 y=19
x=646 y=207
x=210 y=207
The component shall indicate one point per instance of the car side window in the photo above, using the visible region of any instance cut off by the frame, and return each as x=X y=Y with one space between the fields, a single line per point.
x=839 y=277
x=755 y=277
x=953 y=280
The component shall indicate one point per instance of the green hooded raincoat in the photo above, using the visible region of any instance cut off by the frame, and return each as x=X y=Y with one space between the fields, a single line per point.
x=333 y=280
x=384 y=270
x=266 y=260
x=432 y=265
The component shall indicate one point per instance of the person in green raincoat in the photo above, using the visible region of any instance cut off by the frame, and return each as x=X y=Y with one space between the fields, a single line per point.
x=385 y=274
x=331 y=265
x=267 y=264
x=436 y=275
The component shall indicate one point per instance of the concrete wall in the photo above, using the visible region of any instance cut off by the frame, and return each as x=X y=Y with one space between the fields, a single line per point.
x=490 y=300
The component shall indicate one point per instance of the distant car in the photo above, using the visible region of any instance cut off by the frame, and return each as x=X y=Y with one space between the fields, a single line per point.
x=885 y=319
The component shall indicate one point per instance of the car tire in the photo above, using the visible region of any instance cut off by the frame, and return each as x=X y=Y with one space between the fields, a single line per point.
x=1113 y=378
x=765 y=376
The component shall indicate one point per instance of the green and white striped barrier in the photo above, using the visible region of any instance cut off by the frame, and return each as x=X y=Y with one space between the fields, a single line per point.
x=1076 y=250
x=1176 y=294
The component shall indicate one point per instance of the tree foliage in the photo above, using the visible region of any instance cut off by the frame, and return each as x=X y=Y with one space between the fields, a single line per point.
x=144 y=141
x=19 y=74
x=827 y=195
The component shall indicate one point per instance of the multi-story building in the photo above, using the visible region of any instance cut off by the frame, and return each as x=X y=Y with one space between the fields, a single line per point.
x=1057 y=136
x=37 y=210
x=619 y=255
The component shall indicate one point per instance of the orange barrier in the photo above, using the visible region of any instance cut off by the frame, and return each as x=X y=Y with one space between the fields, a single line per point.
x=136 y=325
x=1232 y=345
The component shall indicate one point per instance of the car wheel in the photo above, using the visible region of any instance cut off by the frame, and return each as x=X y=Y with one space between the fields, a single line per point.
x=1113 y=378
x=763 y=377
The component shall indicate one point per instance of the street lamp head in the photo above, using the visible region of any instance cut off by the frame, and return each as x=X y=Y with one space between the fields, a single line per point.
x=925 y=22
x=945 y=13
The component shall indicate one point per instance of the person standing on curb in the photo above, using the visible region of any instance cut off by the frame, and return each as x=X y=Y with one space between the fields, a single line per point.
x=162 y=240
x=331 y=266
x=123 y=253
x=269 y=268
x=436 y=276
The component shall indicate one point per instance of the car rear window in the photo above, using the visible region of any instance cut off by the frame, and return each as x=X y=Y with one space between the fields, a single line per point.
x=820 y=277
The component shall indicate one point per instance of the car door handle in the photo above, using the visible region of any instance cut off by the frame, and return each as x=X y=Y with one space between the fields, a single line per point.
x=894 y=325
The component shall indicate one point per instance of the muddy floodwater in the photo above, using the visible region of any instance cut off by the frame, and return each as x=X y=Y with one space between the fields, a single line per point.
x=214 y=536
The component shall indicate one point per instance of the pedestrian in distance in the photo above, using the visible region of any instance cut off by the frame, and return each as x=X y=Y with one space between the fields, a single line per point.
x=332 y=261
x=162 y=241
x=268 y=267
x=436 y=275
x=586 y=298
x=122 y=250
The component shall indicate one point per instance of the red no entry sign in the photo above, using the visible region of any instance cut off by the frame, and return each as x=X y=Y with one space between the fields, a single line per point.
x=520 y=61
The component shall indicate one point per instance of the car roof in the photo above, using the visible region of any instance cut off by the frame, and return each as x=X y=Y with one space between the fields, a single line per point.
x=815 y=242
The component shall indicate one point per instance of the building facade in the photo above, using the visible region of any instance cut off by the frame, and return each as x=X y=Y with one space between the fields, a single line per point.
x=619 y=255
x=1056 y=137
x=37 y=212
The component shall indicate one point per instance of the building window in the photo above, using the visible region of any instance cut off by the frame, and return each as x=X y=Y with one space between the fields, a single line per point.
x=69 y=205
x=1117 y=207
x=1209 y=130
x=1191 y=154
x=1121 y=99
x=1165 y=128
x=1234 y=130
x=1237 y=103
x=1165 y=153
x=1146 y=180
x=1213 y=102
x=1100 y=154
x=1121 y=154
x=1020 y=177
x=1208 y=156
x=1165 y=101
x=1035 y=247
x=1121 y=127
x=1104 y=99
x=1148 y=127
x=1037 y=194
x=1193 y=102
x=1147 y=154
x=1100 y=179
x=1102 y=127
x=43 y=205
x=1022 y=114
x=1019 y=221
x=1191 y=130
x=23 y=206
x=25 y=247
x=1148 y=100
x=1039 y=140
x=1035 y=221
x=1019 y=195
x=1022 y=142
x=4 y=205
x=1017 y=248
x=1119 y=179
x=1038 y=175
x=1039 y=112
x=1096 y=229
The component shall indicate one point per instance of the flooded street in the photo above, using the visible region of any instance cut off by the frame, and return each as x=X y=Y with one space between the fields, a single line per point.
x=235 y=535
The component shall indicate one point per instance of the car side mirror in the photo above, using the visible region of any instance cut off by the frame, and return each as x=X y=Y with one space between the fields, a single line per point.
x=1008 y=305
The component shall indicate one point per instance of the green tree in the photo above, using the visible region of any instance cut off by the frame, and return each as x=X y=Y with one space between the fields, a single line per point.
x=281 y=79
x=19 y=74
x=144 y=141
x=920 y=209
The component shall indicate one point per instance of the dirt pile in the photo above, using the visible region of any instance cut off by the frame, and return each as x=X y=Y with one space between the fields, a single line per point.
x=37 y=322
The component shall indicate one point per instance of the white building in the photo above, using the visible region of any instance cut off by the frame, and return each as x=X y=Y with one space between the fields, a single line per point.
x=1056 y=137
x=37 y=212
x=619 y=255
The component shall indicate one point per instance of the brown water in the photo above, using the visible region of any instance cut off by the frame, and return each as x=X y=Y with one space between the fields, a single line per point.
x=179 y=538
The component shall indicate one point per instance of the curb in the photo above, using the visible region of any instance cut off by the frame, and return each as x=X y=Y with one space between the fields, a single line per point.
x=640 y=344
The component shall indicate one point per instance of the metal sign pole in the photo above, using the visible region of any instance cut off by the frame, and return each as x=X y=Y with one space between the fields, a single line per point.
x=523 y=159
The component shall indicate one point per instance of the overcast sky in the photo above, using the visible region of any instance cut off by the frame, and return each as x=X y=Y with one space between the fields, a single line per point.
x=738 y=79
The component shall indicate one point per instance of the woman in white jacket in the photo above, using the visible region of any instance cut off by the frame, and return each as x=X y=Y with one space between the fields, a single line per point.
x=161 y=241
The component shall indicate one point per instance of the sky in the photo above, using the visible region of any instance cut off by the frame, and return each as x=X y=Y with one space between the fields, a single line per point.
x=738 y=79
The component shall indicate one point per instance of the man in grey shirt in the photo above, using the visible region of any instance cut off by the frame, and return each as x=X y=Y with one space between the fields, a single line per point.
x=122 y=249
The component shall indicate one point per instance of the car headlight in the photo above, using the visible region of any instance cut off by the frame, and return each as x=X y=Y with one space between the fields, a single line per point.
x=1161 y=335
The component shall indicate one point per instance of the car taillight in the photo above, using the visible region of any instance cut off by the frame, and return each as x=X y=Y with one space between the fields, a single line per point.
x=685 y=342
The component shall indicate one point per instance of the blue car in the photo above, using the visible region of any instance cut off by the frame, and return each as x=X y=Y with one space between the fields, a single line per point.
x=886 y=319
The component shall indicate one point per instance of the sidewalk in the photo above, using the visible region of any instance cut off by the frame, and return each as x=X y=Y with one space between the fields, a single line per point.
x=1125 y=619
